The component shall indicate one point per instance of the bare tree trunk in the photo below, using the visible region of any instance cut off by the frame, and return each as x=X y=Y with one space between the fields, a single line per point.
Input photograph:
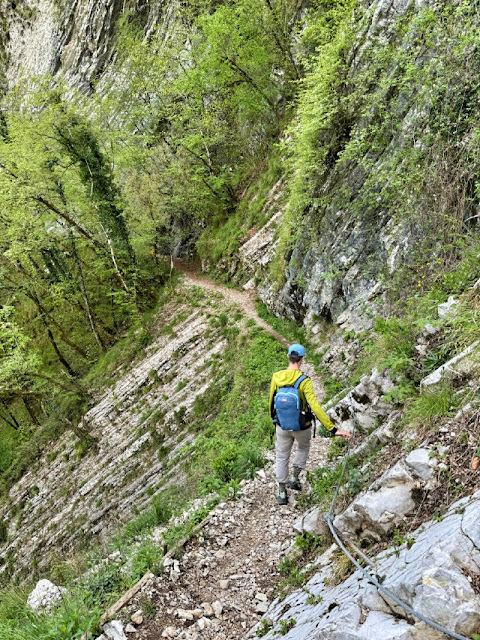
x=53 y=342
x=62 y=334
x=14 y=424
x=28 y=407
x=85 y=297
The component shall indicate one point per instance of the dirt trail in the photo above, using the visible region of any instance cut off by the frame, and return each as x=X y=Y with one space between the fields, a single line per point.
x=246 y=301
x=229 y=571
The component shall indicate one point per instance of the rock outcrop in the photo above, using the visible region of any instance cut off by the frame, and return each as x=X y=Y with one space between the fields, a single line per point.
x=365 y=403
x=463 y=365
x=435 y=572
x=141 y=426
x=74 y=38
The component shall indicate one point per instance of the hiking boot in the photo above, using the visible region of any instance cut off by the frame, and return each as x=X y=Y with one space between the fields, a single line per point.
x=282 y=497
x=294 y=483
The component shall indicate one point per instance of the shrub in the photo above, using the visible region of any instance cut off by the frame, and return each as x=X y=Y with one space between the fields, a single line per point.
x=101 y=586
x=225 y=464
x=238 y=461
x=148 y=557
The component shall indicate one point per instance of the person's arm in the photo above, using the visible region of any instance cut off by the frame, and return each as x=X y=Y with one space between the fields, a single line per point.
x=309 y=393
x=273 y=389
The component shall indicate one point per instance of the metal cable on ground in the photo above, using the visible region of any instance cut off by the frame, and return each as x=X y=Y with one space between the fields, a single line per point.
x=370 y=578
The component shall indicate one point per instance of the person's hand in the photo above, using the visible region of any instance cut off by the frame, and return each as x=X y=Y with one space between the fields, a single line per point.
x=344 y=435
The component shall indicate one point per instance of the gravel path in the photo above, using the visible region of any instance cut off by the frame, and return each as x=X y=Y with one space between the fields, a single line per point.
x=226 y=577
x=224 y=580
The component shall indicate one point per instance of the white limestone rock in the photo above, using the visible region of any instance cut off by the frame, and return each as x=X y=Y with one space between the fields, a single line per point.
x=447 y=308
x=465 y=363
x=45 y=596
x=382 y=507
x=420 y=463
x=429 y=576
x=310 y=522
x=114 y=630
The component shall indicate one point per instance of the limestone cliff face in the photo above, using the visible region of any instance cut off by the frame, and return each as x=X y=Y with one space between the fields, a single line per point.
x=336 y=272
x=339 y=264
x=74 y=38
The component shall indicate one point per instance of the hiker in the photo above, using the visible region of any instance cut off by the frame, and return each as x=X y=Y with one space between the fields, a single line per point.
x=292 y=401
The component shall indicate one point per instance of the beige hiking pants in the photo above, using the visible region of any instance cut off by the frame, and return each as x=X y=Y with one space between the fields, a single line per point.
x=283 y=447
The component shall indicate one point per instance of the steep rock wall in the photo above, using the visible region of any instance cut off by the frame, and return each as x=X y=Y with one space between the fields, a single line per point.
x=74 y=38
x=351 y=239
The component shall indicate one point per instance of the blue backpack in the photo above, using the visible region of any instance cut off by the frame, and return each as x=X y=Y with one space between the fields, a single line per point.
x=288 y=406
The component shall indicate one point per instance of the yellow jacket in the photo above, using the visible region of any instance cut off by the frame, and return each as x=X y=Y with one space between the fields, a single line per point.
x=287 y=377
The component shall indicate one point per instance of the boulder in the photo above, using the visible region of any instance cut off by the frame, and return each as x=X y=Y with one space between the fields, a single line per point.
x=114 y=630
x=311 y=522
x=382 y=507
x=45 y=596
x=420 y=463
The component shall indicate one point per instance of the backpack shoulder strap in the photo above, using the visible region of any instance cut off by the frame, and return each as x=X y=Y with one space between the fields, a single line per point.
x=299 y=381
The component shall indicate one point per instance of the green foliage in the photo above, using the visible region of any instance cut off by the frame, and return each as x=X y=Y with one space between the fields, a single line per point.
x=237 y=461
x=313 y=599
x=263 y=629
x=292 y=574
x=336 y=449
x=70 y=620
x=323 y=482
x=308 y=542
x=286 y=624
x=393 y=348
x=441 y=401
x=103 y=585
x=148 y=557
x=162 y=510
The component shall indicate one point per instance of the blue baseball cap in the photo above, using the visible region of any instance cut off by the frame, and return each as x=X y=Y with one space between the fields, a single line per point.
x=298 y=349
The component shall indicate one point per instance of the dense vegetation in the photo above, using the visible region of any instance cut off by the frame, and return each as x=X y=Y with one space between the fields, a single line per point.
x=98 y=191
x=174 y=153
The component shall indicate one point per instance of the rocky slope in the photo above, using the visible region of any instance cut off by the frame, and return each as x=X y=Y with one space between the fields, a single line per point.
x=229 y=573
x=435 y=573
x=68 y=498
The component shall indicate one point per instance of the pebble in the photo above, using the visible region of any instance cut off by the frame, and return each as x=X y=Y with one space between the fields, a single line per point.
x=207 y=607
x=262 y=607
x=183 y=614
x=202 y=623
x=220 y=554
x=130 y=629
x=217 y=607
x=224 y=584
x=137 y=617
